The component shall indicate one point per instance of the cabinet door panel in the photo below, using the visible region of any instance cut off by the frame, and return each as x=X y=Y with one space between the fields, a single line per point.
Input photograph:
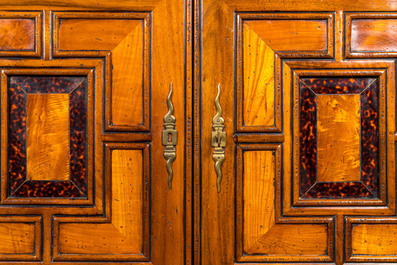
x=83 y=174
x=308 y=101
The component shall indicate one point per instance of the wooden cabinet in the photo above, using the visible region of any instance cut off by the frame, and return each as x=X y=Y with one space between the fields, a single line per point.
x=211 y=132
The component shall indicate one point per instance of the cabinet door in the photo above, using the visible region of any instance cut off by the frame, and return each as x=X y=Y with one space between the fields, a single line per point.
x=84 y=88
x=307 y=91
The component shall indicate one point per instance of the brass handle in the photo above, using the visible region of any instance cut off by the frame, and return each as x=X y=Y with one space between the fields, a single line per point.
x=170 y=137
x=218 y=139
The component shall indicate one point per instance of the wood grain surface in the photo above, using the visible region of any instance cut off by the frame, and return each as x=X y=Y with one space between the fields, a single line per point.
x=374 y=239
x=259 y=214
x=292 y=34
x=17 y=238
x=47 y=122
x=338 y=138
x=17 y=34
x=373 y=35
x=259 y=98
x=124 y=234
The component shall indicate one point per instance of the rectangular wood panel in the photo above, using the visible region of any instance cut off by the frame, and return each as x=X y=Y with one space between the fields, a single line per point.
x=292 y=34
x=125 y=232
x=17 y=34
x=259 y=174
x=259 y=90
x=93 y=34
x=338 y=138
x=47 y=136
x=374 y=239
x=17 y=238
x=122 y=38
x=373 y=35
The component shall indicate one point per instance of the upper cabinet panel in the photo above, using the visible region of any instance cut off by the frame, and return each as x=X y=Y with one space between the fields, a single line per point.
x=124 y=38
x=20 y=34
x=371 y=35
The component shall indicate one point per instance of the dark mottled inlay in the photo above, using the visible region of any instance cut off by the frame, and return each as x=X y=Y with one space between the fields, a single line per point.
x=16 y=137
x=77 y=143
x=337 y=85
x=47 y=84
x=18 y=185
x=369 y=137
x=369 y=104
x=331 y=190
x=307 y=136
x=45 y=188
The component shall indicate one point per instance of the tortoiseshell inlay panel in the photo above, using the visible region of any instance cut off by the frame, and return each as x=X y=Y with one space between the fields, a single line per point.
x=310 y=90
x=18 y=89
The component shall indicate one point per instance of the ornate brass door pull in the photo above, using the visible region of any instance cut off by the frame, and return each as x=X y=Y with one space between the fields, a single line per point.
x=170 y=137
x=218 y=139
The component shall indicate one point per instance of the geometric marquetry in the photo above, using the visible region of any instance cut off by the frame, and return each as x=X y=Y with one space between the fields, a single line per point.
x=127 y=228
x=123 y=38
x=78 y=182
x=48 y=136
x=49 y=111
x=257 y=180
x=339 y=145
x=259 y=98
x=261 y=39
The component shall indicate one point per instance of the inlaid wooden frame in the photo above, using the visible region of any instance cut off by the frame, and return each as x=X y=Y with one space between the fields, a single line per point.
x=145 y=18
x=349 y=17
x=241 y=19
x=36 y=16
x=36 y=222
x=6 y=198
x=93 y=70
x=381 y=75
x=350 y=223
x=280 y=221
x=385 y=70
x=107 y=220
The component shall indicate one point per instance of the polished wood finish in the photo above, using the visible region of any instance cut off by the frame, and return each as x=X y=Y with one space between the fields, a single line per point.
x=274 y=38
x=47 y=136
x=292 y=35
x=125 y=230
x=128 y=214
x=17 y=34
x=258 y=51
x=338 y=142
x=259 y=89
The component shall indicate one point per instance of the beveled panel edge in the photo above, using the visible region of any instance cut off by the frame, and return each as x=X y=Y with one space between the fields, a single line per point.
x=58 y=220
x=382 y=177
x=90 y=87
x=106 y=54
x=277 y=148
x=387 y=65
x=87 y=65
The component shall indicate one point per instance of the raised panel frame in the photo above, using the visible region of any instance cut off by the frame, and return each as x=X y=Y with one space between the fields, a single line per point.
x=145 y=17
x=280 y=220
x=241 y=18
x=146 y=182
x=37 y=17
x=93 y=204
